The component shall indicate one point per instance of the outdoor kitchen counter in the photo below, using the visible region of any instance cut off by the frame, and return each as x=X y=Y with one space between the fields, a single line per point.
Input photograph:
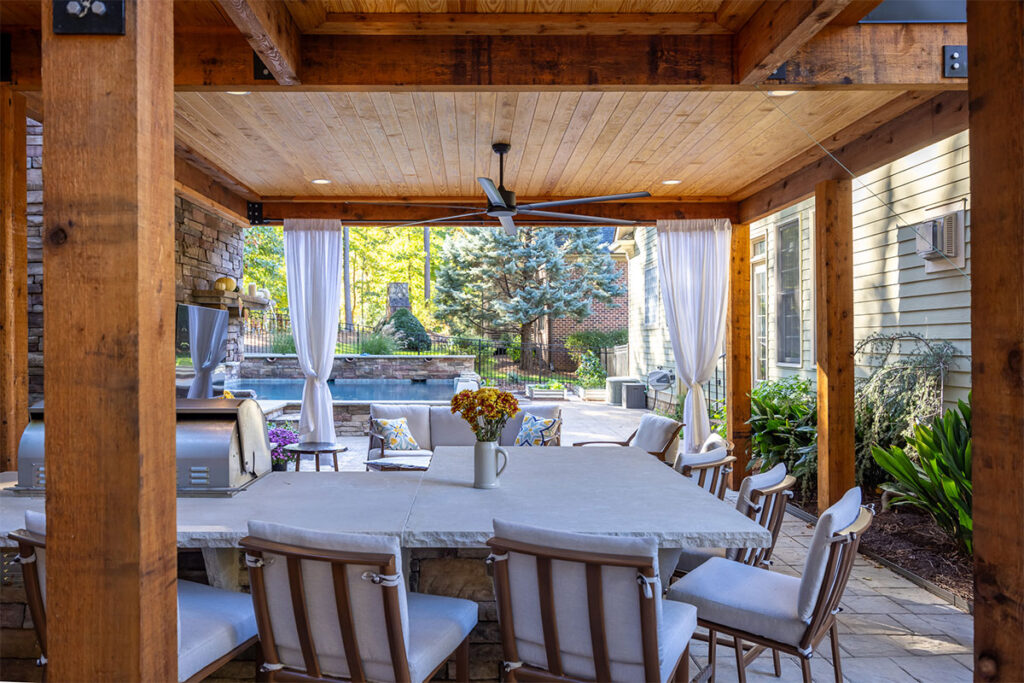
x=621 y=491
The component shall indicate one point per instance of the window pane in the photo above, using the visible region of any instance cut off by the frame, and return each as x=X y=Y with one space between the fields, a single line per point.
x=759 y=284
x=787 y=313
x=651 y=296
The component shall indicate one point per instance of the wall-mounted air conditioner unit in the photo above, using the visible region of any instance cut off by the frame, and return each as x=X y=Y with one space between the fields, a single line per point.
x=940 y=241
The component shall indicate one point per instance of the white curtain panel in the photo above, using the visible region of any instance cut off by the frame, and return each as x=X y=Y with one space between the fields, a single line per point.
x=693 y=267
x=313 y=261
x=207 y=344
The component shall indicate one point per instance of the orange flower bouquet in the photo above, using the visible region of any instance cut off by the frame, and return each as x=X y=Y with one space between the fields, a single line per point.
x=486 y=410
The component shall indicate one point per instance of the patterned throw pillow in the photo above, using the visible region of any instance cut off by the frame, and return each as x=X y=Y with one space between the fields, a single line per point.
x=397 y=435
x=536 y=431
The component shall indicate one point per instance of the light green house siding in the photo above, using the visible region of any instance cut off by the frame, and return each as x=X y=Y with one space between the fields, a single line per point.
x=649 y=343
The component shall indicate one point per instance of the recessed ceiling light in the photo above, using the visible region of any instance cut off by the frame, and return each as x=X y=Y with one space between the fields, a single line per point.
x=671 y=182
x=781 y=93
x=321 y=181
x=238 y=92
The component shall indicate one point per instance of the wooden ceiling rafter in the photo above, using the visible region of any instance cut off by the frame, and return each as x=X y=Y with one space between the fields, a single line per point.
x=272 y=33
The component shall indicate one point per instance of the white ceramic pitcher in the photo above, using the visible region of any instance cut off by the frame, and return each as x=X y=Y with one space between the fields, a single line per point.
x=485 y=464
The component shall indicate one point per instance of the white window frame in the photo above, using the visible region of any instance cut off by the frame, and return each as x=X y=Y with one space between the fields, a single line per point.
x=651 y=303
x=759 y=263
x=798 y=363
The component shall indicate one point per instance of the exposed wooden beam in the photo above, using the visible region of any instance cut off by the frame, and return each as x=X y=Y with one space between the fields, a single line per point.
x=833 y=273
x=934 y=120
x=996 y=65
x=199 y=186
x=108 y=254
x=900 y=57
x=855 y=11
x=776 y=31
x=521 y=24
x=214 y=172
x=733 y=14
x=866 y=124
x=13 y=277
x=738 y=351
x=273 y=35
x=375 y=214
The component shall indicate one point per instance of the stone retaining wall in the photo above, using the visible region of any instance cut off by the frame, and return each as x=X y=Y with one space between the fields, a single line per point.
x=266 y=366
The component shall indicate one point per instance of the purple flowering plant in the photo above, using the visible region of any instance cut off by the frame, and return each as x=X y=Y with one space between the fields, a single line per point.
x=282 y=436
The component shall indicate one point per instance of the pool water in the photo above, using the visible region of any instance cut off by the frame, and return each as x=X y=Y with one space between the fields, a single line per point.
x=351 y=389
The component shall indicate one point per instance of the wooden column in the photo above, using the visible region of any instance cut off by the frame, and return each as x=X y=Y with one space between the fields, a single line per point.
x=108 y=250
x=738 y=350
x=833 y=272
x=996 y=88
x=13 y=277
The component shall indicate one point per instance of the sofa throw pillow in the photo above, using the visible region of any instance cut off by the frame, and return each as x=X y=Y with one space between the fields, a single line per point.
x=536 y=431
x=397 y=435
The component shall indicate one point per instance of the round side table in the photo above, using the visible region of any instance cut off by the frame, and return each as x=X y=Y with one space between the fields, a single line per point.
x=315 y=448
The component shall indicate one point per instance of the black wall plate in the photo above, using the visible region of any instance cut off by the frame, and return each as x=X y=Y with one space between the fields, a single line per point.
x=260 y=72
x=88 y=17
x=255 y=211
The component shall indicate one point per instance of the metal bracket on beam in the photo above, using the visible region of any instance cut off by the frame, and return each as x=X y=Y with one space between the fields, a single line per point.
x=954 y=61
x=260 y=72
x=254 y=211
x=779 y=74
x=88 y=17
x=5 y=56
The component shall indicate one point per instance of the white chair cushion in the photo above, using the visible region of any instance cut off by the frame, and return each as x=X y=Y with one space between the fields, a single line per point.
x=365 y=597
x=448 y=429
x=36 y=523
x=702 y=458
x=212 y=623
x=691 y=558
x=654 y=432
x=437 y=625
x=417 y=415
x=512 y=427
x=743 y=597
x=762 y=480
x=713 y=442
x=621 y=604
x=840 y=515
x=388 y=453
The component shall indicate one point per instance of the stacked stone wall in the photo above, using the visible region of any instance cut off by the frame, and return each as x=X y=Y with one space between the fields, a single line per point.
x=361 y=367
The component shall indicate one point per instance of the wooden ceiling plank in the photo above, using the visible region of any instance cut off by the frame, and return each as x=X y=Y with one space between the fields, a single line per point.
x=354 y=170
x=272 y=33
x=942 y=116
x=776 y=31
x=426 y=115
x=415 y=140
x=734 y=14
x=607 y=103
x=483 y=156
x=582 y=115
x=444 y=103
x=465 y=120
x=556 y=132
x=519 y=24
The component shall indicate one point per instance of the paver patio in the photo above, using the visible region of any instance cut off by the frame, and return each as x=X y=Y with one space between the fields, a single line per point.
x=891 y=629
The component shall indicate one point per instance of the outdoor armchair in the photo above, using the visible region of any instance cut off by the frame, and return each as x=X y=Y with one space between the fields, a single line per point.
x=655 y=434
x=777 y=611
x=710 y=466
x=584 y=607
x=214 y=625
x=334 y=606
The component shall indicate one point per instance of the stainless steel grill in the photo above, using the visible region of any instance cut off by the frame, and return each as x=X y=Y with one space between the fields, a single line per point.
x=221 y=448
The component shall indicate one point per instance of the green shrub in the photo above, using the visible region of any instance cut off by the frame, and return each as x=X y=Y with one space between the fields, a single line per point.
x=578 y=343
x=590 y=373
x=784 y=428
x=282 y=342
x=378 y=345
x=407 y=331
x=939 y=481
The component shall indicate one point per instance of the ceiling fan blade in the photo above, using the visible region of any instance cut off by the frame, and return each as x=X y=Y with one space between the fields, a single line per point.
x=493 y=196
x=509 y=225
x=576 y=217
x=437 y=220
x=586 y=200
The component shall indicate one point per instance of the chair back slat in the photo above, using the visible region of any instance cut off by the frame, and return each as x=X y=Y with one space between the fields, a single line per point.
x=649 y=629
x=302 y=617
x=710 y=476
x=393 y=623
x=339 y=573
x=598 y=637
x=258 y=588
x=767 y=507
x=546 y=595
x=506 y=622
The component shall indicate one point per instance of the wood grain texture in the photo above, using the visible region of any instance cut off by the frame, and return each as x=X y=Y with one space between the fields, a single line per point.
x=734 y=14
x=833 y=239
x=738 y=352
x=996 y=65
x=272 y=33
x=938 y=118
x=855 y=11
x=518 y=24
x=108 y=241
x=776 y=31
x=197 y=184
x=13 y=277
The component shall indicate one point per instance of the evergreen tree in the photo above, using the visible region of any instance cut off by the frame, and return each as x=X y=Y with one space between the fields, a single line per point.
x=491 y=283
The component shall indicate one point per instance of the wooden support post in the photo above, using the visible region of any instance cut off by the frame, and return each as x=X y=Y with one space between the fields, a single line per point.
x=13 y=277
x=738 y=350
x=996 y=89
x=108 y=250
x=833 y=272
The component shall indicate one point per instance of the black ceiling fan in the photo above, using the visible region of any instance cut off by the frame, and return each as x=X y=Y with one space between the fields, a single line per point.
x=501 y=203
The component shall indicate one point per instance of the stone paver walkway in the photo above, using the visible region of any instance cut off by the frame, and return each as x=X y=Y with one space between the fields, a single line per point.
x=890 y=629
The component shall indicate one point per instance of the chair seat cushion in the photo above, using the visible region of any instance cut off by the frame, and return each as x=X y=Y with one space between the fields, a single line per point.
x=437 y=625
x=213 y=623
x=418 y=452
x=691 y=558
x=747 y=598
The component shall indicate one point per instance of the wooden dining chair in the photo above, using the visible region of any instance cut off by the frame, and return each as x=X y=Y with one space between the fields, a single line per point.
x=583 y=607
x=333 y=606
x=214 y=625
x=655 y=434
x=776 y=611
x=710 y=466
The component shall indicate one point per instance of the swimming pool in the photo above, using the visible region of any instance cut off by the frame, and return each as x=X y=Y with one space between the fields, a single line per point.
x=351 y=389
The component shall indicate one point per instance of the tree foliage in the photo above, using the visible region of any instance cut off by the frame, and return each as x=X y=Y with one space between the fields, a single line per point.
x=492 y=283
x=263 y=261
